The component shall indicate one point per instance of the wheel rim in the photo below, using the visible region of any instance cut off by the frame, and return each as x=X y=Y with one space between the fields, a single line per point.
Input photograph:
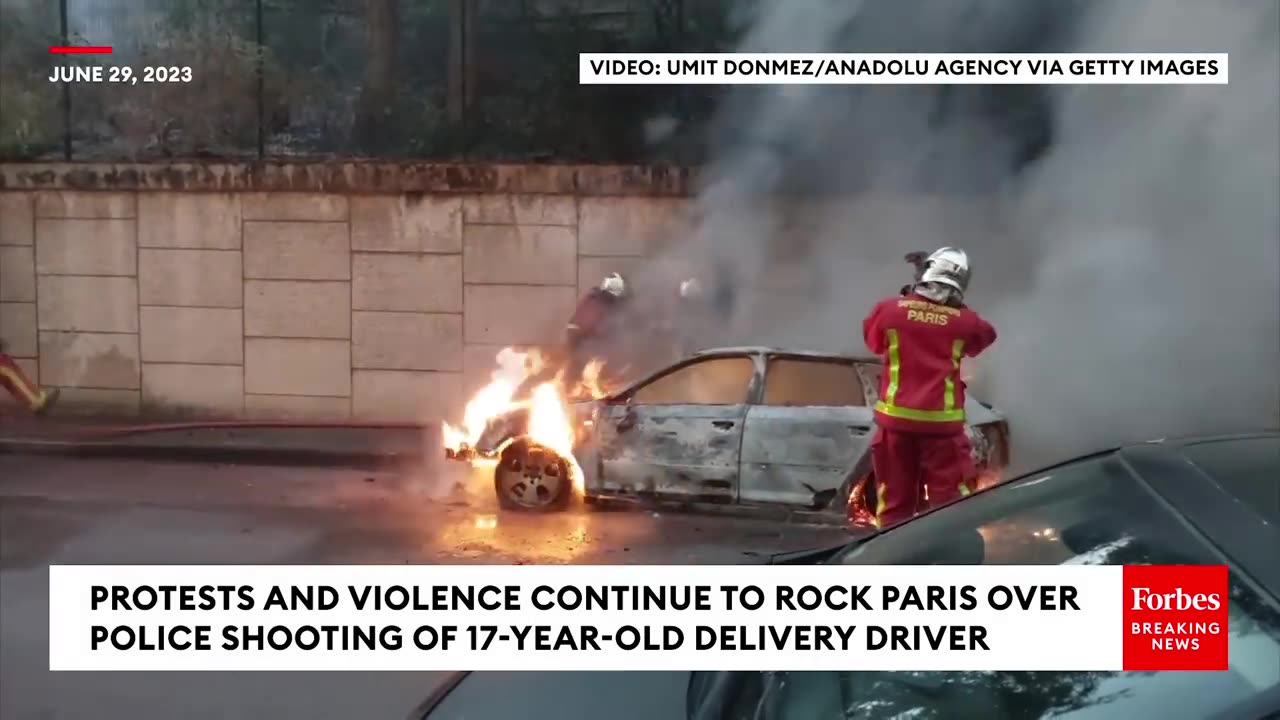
x=531 y=477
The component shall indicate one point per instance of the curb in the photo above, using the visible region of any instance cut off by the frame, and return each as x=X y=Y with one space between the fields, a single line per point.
x=156 y=441
x=373 y=461
x=221 y=454
x=779 y=514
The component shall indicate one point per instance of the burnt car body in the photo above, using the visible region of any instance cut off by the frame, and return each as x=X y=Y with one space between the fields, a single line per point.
x=1202 y=501
x=744 y=425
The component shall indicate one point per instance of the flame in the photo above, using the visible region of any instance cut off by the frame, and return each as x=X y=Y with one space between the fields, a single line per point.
x=550 y=423
x=550 y=427
x=589 y=386
x=494 y=399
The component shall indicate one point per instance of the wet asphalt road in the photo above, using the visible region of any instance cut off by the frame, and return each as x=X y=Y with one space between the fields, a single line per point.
x=67 y=511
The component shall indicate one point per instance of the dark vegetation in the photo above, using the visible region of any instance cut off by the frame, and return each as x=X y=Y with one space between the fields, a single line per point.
x=492 y=80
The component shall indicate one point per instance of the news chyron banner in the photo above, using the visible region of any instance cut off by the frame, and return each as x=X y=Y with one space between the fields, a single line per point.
x=902 y=69
x=451 y=618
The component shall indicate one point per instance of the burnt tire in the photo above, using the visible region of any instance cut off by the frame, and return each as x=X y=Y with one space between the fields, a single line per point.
x=532 y=478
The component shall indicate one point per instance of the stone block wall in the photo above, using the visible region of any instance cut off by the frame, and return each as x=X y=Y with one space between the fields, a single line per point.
x=299 y=303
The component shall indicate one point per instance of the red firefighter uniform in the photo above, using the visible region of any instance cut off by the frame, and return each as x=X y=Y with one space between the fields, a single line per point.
x=920 y=448
x=592 y=317
x=594 y=333
x=19 y=386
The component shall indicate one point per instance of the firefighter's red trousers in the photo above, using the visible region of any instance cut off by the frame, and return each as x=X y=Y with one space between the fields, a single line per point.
x=915 y=472
x=19 y=386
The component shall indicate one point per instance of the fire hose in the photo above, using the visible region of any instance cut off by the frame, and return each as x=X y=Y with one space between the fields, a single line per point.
x=112 y=432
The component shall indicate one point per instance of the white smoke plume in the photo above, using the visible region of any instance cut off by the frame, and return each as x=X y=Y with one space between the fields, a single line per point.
x=1126 y=240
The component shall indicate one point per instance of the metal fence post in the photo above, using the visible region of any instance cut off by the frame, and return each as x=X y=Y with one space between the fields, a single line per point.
x=261 y=59
x=66 y=86
x=682 y=91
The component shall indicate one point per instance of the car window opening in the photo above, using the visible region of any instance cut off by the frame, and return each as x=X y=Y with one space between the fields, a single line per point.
x=791 y=382
x=717 y=381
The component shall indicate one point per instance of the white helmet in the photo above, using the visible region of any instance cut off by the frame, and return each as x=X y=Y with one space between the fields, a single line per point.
x=614 y=285
x=690 y=288
x=948 y=266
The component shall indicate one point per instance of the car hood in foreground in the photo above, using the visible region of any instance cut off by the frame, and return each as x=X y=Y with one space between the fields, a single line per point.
x=537 y=695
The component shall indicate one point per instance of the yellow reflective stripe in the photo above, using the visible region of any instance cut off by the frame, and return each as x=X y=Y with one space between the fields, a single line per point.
x=20 y=385
x=895 y=364
x=949 y=413
x=957 y=352
x=881 y=502
x=964 y=490
x=907 y=413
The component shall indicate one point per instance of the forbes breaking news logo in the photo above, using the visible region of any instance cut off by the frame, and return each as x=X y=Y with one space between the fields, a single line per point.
x=1175 y=617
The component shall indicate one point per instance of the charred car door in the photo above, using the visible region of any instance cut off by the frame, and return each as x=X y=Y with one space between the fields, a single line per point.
x=811 y=427
x=679 y=433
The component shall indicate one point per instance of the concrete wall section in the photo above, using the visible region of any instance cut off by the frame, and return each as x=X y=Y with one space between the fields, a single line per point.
x=191 y=278
x=520 y=255
x=292 y=250
x=187 y=220
x=195 y=335
x=18 y=329
x=406 y=224
x=87 y=313
x=210 y=390
x=297 y=366
x=407 y=396
x=406 y=282
x=517 y=314
x=241 y=299
x=18 y=332
x=297 y=309
x=93 y=360
x=17 y=219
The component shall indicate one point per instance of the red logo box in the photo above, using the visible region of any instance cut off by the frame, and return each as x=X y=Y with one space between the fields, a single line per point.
x=1175 y=617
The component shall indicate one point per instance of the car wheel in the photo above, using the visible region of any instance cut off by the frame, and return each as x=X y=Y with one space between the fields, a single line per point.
x=532 y=478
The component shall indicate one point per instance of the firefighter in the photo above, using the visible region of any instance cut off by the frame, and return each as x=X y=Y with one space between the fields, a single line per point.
x=595 y=317
x=689 y=318
x=594 y=330
x=691 y=289
x=920 y=449
x=21 y=388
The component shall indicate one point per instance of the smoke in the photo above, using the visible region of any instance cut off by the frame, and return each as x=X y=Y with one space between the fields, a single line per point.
x=1124 y=239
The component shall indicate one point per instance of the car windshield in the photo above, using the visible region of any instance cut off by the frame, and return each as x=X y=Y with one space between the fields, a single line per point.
x=1248 y=468
x=1091 y=512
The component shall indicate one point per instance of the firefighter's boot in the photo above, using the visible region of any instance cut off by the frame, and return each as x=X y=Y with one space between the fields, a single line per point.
x=48 y=398
x=28 y=393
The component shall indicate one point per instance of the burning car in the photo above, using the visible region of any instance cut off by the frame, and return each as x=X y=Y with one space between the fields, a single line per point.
x=745 y=425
